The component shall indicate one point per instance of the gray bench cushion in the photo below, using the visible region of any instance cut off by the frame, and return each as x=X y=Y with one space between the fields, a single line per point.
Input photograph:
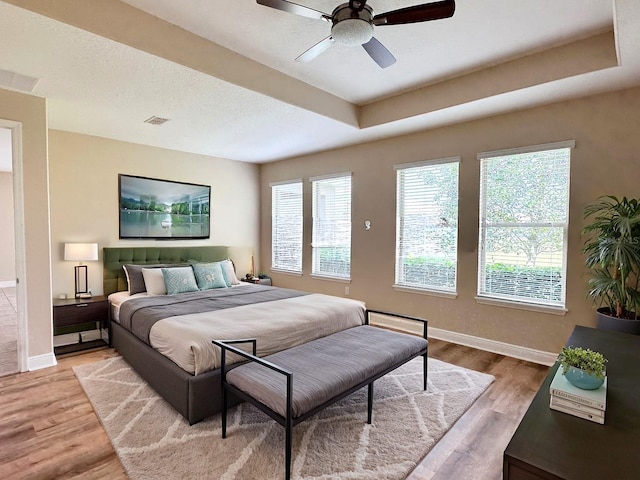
x=326 y=367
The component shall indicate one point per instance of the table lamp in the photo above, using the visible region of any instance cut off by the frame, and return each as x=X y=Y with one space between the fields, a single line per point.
x=81 y=252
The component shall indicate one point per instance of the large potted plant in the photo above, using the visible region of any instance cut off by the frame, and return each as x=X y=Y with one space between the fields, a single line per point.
x=612 y=250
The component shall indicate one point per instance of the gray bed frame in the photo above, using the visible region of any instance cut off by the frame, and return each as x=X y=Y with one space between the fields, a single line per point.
x=195 y=397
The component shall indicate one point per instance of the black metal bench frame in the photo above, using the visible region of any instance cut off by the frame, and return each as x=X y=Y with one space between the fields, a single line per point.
x=289 y=421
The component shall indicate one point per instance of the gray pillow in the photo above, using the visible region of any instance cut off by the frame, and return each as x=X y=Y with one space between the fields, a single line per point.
x=135 y=280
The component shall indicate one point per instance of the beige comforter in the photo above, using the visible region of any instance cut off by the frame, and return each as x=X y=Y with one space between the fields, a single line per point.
x=277 y=325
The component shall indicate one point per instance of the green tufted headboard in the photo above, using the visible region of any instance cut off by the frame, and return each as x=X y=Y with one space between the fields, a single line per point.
x=114 y=258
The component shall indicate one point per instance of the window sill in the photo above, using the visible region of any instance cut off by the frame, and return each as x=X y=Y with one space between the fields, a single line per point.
x=425 y=291
x=331 y=279
x=531 y=307
x=286 y=272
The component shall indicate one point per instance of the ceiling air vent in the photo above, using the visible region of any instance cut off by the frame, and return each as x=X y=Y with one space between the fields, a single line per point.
x=156 y=120
x=17 y=81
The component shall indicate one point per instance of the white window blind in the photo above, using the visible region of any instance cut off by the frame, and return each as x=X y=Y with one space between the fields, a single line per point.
x=427 y=225
x=331 y=243
x=286 y=227
x=524 y=215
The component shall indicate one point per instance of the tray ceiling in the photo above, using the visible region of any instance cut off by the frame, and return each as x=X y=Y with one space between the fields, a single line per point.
x=224 y=74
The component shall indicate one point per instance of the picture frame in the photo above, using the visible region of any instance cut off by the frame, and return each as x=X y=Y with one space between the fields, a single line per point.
x=157 y=209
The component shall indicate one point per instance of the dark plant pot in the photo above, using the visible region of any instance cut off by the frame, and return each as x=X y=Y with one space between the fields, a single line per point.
x=604 y=321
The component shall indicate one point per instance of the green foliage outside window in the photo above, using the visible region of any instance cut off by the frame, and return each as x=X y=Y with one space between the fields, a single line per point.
x=530 y=195
x=529 y=281
x=334 y=260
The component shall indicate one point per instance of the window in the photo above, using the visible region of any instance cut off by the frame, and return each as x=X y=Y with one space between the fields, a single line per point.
x=331 y=244
x=286 y=226
x=427 y=225
x=524 y=214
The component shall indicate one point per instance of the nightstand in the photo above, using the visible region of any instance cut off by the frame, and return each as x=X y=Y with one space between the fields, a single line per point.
x=69 y=315
x=257 y=281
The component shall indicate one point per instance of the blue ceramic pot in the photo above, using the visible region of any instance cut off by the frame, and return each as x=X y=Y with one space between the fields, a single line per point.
x=581 y=379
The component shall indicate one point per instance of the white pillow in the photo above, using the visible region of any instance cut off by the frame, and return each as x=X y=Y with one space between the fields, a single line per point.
x=229 y=272
x=154 y=281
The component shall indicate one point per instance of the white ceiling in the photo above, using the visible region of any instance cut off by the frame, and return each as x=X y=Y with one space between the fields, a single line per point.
x=104 y=71
x=426 y=52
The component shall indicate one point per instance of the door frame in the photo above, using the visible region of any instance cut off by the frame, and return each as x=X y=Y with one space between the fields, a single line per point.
x=18 y=228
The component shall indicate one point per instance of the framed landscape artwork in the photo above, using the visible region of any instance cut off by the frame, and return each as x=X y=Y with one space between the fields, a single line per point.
x=152 y=208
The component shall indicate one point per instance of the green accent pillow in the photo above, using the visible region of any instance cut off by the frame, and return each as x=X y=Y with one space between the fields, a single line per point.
x=179 y=280
x=209 y=275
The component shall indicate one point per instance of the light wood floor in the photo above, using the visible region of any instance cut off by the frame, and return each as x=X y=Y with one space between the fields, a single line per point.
x=49 y=430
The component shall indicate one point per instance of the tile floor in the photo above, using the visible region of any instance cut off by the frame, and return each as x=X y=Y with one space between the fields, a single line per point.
x=8 y=331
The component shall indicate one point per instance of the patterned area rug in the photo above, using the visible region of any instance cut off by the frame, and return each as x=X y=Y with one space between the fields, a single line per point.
x=154 y=442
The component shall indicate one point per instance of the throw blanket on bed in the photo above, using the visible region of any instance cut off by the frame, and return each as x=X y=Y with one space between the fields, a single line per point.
x=182 y=326
x=138 y=315
x=276 y=325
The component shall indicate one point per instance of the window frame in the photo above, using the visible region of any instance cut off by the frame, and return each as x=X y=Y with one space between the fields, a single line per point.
x=511 y=301
x=281 y=267
x=314 y=227
x=431 y=289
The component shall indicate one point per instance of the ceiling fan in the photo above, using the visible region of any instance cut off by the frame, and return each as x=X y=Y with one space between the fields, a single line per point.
x=352 y=23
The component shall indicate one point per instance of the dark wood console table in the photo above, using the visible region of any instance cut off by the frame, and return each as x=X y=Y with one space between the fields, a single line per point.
x=555 y=446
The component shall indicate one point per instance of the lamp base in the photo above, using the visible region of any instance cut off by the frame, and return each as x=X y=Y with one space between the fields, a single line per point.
x=82 y=286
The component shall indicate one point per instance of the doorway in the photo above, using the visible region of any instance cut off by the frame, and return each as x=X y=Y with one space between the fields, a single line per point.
x=12 y=329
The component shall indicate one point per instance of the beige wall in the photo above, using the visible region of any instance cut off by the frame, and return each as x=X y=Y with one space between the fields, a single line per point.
x=31 y=112
x=605 y=161
x=84 y=198
x=7 y=235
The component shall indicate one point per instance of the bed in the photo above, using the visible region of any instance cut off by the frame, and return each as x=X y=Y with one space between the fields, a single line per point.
x=181 y=326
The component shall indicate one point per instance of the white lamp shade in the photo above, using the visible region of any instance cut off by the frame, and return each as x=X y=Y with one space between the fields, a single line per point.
x=80 y=251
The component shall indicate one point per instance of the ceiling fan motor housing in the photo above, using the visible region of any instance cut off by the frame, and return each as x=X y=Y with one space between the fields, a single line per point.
x=352 y=27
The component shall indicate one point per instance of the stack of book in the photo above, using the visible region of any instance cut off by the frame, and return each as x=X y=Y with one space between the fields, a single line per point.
x=587 y=404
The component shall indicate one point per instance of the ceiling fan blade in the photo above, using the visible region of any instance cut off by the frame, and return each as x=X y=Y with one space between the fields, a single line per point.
x=294 y=8
x=316 y=50
x=417 y=13
x=383 y=57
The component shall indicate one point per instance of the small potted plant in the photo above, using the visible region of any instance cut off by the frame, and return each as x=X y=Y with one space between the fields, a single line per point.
x=583 y=367
x=612 y=250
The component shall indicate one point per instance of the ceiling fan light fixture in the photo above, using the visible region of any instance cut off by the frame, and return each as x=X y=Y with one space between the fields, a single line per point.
x=352 y=31
x=352 y=24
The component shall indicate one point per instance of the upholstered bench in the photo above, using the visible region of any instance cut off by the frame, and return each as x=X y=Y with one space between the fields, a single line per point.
x=292 y=385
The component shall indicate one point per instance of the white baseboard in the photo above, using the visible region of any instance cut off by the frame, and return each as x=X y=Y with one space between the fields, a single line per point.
x=8 y=284
x=41 y=361
x=515 y=351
